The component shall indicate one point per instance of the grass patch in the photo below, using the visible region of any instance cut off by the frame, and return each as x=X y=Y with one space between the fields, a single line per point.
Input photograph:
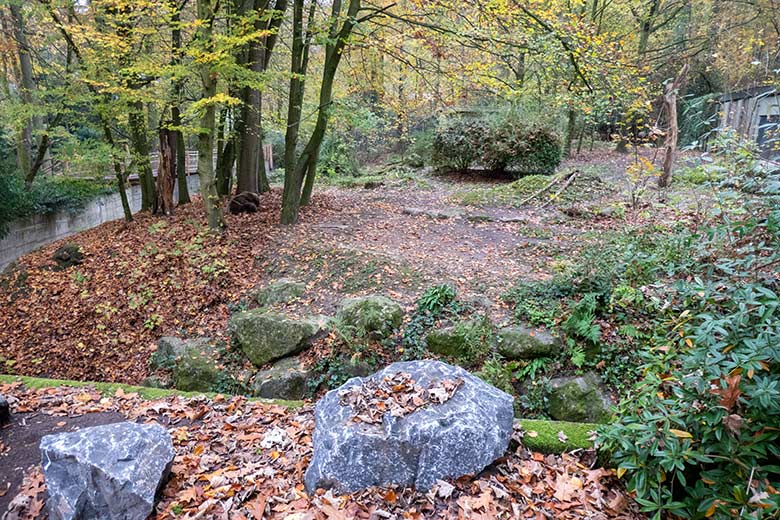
x=111 y=388
x=547 y=440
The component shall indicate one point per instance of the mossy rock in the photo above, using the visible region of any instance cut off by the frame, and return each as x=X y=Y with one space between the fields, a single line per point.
x=169 y=348
x=375 y=316
x=578 y=399
x=266 y=336
x=465 y=340
x=286 y=379
x=283 y=290
x=524 y=343
x=447 y=341
x=195 y=369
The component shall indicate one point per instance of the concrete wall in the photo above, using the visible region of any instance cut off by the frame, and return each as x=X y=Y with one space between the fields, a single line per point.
x=28 y=234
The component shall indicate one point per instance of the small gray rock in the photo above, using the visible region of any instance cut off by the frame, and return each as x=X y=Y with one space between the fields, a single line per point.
x=525 y=343
x=5 y=411
x=440 y=214
x=480 y=217
x=513 y=219
x=578 y=399
x=460 y=436
x=106 y=472
x=285 y=380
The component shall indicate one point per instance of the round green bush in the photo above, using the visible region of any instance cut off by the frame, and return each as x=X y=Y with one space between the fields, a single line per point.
x=507 y=146
x=458 y=144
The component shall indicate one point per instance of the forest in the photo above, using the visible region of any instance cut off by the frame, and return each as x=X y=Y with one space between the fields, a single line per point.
x=390 y=259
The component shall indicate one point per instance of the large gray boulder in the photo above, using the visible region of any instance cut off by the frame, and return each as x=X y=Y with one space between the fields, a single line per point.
x=266 y=336
x=107 y=472
x=456 y=437
x=578 y=399
x=525 y=343
x=375 y=316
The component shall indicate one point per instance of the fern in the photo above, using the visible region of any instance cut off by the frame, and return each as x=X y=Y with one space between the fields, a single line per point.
x=577 y=355
x=580 y=322
x=531 y=368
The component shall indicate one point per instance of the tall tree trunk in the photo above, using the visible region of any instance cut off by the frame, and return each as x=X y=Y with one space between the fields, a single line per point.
x=208 y=188
x=141 y=161
x=178 y=93
x=307 y=162
x=251 y=174
x=670 y=143
x=165 y=172
x=298 y=65
x=25 y=146
x=571 y=128
x=226 y=155
x=121 y=177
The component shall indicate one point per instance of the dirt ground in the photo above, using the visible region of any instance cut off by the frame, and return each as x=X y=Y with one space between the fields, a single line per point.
x=165 y=276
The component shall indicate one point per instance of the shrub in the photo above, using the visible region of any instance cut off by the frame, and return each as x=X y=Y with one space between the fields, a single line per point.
x=420 y=150
x=338 y=157
x=51 y=194
x=699 y=435
x=459 y=143
x=522 y=150
x=506 y=145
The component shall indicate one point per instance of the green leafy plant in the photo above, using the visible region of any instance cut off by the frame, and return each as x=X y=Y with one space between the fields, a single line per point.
x=580 y=323
x=499 y=373
x=436 y=298
x=153 y=321
x=434 y=303
x=458 y=143
x=530 y=369
x=698 y=434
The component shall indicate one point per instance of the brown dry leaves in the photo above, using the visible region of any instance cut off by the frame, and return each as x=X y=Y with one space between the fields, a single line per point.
x=397 y=394
x=243 y=460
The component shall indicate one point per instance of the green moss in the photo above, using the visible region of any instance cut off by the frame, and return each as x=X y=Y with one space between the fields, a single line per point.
x=546 y=439
x=586 y=186
x=111 y=388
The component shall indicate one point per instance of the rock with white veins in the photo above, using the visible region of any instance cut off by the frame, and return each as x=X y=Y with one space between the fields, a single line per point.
x=109 y=472
x=460 y=436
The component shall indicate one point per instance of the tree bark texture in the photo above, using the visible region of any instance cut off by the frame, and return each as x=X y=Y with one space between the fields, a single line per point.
x=670 y=143
x=165 y=172
x=208 y=188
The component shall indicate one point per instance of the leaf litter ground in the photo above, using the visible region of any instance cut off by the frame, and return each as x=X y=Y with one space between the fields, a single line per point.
x=165 y=276
x=240 y=459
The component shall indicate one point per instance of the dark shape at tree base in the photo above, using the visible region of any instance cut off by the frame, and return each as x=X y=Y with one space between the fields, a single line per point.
x=5 y=411
x=245 y=202
x=68 y=256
